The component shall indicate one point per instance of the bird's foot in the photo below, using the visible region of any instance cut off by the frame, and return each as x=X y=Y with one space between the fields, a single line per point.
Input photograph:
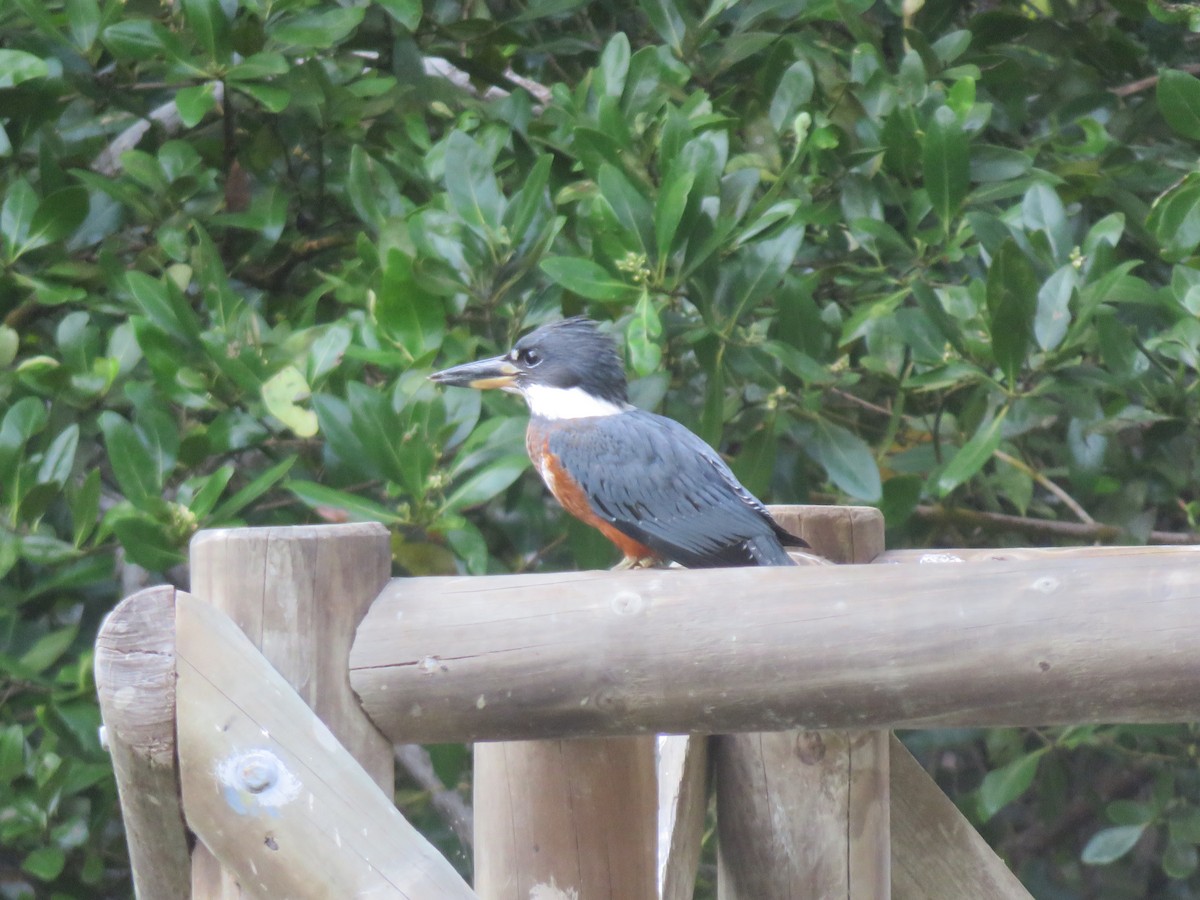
x=638 y=562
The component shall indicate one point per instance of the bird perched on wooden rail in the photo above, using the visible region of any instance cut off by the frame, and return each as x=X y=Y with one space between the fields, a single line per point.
x=648 y=484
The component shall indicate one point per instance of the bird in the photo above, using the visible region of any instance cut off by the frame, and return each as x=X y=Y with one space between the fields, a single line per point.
x=651 y=486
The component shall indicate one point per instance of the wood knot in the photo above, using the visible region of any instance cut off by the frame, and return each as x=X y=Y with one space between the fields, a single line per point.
x=810 y=747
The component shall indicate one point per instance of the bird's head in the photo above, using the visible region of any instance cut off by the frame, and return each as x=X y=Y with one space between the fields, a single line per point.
x=564 y=370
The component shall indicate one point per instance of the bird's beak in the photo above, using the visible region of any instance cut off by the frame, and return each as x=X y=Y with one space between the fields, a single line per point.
x=498 y=372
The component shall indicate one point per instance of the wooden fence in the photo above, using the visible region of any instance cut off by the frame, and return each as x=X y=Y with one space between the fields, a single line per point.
x=251 y=722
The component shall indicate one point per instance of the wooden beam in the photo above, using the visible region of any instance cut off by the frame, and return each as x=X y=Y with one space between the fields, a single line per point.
x=1025 y=642
x=935 y=851
x=806 y=813
x=298 y=594
x=271 y=791
x=135 y=681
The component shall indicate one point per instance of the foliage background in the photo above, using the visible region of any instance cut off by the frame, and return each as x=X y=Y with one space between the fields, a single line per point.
x=937 y=257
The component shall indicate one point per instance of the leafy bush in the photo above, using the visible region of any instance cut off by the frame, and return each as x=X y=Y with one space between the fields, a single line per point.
x=932 y=257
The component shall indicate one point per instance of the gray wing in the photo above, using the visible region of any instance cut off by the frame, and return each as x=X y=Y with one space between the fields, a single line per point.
x=658 y=483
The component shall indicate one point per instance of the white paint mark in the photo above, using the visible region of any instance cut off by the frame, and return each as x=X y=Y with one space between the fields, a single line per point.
x=337 y=837
x=253 y=868
x=552 y=891
x=547 y=402
x=429 y=664
x=927 y=558
x=1046 y=585
x=257 y=777
x=480 y=702
x=584 y=701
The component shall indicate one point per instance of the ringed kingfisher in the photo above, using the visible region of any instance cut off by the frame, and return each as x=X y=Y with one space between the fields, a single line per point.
x=652 y=487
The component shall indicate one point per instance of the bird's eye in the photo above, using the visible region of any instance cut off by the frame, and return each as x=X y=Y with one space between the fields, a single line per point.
x=529 y=357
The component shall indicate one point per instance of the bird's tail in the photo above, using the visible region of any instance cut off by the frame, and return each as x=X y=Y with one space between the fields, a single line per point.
x=766 y=551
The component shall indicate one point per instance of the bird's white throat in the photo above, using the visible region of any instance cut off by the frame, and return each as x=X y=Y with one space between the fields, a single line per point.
x=547 y=402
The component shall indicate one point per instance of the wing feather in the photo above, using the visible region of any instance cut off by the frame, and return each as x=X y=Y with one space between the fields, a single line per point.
x=661 y=485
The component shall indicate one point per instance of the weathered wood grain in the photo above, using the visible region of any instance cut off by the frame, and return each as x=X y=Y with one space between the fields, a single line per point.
x=565 y=819
x=298 y=594
x=935 y=851
x=1022 y=642
x=805 y=813
x=135 y=682
x=270 y=790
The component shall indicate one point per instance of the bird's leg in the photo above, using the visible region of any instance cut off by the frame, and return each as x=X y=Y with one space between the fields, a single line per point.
x=638 y=562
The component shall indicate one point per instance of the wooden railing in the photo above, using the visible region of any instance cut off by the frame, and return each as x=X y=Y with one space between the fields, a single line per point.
x=254 y=718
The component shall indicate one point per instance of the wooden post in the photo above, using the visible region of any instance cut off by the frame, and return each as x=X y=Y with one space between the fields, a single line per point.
x=682 y=807
x=804 y=814
x=135 y=681
x=298 y=594
x=565 y=819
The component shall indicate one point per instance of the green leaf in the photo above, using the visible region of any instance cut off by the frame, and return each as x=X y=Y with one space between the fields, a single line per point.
x=795 y=89
x=847 y=460
x=160 y=303
x=16 y=215
x=356 y=509
x=194 y=103
x=946 y=162
x=316 y=30
x=12 y=753
x=1042 y=210
x=668 y=212
x=642 y=336
x=280 y=393
x=485 y=484
x=972 y=456
x=84 y=502
x=1178 y=97
x=59 y=457
x=360 y=189
x=1002 y=786
x=614 y=66
x=1054 y=307
x=585 y=278
x=1175 y=219
x=48 y=649
x=83 y=17
x=1110 y=844
x=1012 y=300
x=251 y=492
x=271 y=97
x=57 y=216
x=405 y=12
x=410 y=315
x=138 y=39
x=207 y=22
x=45 y=863
x=666 y=18
x=131 y=462
x=471 y=184
x=523 y=208
x=10 y=343
x=209 y=491
x=628 y=203
x=17 y=66
x=147 y=543
x=1180 y=860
